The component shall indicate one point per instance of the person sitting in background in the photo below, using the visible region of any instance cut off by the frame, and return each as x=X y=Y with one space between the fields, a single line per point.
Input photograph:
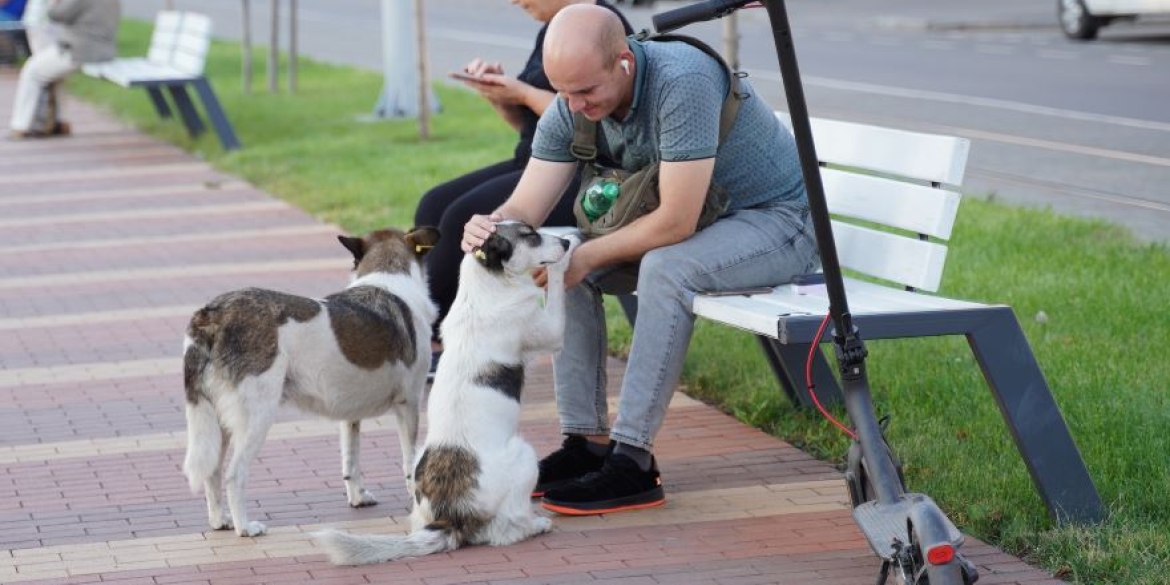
x=37 y=27
x=86 y=32
x=520 y=101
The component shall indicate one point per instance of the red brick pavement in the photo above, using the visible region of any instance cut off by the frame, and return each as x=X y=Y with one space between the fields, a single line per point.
x=109 y=238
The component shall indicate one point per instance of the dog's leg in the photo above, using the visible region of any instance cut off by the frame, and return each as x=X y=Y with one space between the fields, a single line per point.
x=548 y=330
x=407 y=415
x=213 y=489
x=351 y=446
x=515 y=520
x=249 y=427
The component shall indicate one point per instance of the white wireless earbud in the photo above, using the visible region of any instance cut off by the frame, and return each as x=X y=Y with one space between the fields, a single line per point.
x=626 y=66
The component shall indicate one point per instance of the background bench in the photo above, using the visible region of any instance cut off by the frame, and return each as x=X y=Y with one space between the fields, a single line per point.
x=894 y=197
x=178 y=52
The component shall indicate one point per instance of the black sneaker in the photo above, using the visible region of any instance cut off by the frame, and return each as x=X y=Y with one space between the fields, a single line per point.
x=570 y=462
x=620 y=485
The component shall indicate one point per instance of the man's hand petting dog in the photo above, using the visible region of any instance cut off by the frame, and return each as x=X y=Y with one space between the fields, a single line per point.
x=477 y=230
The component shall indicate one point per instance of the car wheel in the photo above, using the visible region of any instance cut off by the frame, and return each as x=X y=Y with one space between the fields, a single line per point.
x=1075 y=20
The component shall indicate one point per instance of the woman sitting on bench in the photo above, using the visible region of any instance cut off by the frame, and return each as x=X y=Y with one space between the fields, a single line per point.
x=86 y=32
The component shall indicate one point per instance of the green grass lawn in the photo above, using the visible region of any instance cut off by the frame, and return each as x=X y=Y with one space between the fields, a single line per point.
x=1099 y=344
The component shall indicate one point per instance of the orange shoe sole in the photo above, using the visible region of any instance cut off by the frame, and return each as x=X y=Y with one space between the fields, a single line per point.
x=567 y=511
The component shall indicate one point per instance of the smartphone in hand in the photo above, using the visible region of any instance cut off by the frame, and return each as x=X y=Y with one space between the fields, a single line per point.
x=463 y=76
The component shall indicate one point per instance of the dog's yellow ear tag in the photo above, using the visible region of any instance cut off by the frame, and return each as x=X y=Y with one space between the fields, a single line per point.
x=479 y=253
x=418 y=248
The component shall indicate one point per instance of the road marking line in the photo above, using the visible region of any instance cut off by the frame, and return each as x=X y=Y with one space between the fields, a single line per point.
x=1129 y=60
x=1059 y=146
x=885 y=90
x=468 y=36
x=1069 y=190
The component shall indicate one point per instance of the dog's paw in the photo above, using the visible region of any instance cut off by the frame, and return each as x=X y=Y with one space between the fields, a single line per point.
x=222 y=523
x=542 y=524
x=253 y=528
x=362 y=499
x=574 y=241
x=560 y=266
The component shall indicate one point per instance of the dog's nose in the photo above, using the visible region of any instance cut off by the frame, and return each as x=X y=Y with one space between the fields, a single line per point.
x=564 y=243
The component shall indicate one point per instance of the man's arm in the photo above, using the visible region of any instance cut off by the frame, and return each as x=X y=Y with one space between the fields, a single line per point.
x=535 y=196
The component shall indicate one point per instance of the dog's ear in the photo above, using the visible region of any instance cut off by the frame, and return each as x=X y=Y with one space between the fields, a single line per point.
x=494 y=252
x=421 y=239
x=356 y=246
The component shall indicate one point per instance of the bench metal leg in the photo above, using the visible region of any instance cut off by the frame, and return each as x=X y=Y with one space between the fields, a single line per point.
x=219 y=121
x=788 y=361
x=160 y=102
x=187 y=110
x=1034 y=419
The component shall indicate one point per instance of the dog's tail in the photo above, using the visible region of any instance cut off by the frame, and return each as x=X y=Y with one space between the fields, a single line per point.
x=204 y=437
x=362 y=549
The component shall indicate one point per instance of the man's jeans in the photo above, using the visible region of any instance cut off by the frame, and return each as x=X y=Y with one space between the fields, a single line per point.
x=750 y=247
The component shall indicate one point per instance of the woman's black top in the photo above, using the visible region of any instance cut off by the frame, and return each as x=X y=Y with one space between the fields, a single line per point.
x=533 y=74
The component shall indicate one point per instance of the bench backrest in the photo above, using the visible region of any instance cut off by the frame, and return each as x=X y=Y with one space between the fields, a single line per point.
x=180 y=40
x=893 y=195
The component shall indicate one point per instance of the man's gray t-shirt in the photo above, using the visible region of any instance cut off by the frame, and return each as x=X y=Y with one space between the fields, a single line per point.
x=678 y=95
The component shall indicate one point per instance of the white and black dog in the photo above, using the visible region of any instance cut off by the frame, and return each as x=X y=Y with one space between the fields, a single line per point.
x=353 y=355
x=474 y=478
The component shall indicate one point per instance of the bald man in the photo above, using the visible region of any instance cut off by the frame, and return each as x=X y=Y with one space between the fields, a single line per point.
x=654 y=101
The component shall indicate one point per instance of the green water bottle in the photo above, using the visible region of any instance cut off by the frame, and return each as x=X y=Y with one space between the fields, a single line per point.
x=599 y=198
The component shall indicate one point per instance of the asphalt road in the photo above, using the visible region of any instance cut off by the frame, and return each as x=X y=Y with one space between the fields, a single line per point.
x=1082 y=128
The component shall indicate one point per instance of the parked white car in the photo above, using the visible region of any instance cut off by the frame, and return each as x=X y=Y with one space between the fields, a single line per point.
x=1081 y=19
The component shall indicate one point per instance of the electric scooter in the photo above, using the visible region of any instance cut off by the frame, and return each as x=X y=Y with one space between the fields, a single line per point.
x=915 y=540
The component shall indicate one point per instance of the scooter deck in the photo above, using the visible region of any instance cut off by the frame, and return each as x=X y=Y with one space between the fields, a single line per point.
x=885 y=524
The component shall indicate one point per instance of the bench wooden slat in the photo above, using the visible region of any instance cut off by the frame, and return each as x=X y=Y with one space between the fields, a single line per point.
x=931 y=158
x=903 y=260
x=916 y=208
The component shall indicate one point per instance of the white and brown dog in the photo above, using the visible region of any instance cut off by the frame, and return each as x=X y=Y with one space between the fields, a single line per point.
x=474 y=478
x=353 y=355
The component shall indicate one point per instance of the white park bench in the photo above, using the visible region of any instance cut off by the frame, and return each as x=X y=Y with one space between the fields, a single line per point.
x=177 y=54
x=894 y=195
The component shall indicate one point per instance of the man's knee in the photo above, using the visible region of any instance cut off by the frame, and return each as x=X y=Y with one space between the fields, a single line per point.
x=662 y=272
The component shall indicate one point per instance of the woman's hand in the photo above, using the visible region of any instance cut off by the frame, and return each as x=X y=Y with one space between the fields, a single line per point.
x=478 y=68
x=502 y=90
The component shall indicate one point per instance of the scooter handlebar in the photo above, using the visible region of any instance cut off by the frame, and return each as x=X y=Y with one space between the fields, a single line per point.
x=692 y=13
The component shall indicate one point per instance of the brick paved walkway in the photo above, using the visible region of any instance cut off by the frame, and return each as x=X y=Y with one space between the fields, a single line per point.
x=109 y=239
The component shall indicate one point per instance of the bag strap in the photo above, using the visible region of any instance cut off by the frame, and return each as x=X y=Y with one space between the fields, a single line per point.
x=584 y=146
